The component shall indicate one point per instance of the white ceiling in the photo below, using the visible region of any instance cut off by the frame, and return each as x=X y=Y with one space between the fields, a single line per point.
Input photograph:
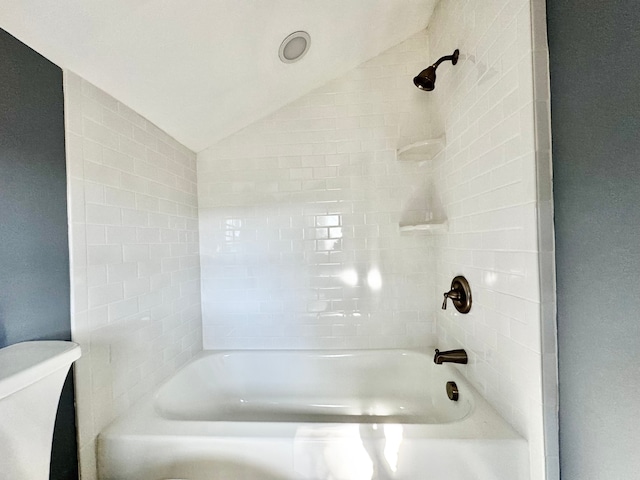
x=203 y=69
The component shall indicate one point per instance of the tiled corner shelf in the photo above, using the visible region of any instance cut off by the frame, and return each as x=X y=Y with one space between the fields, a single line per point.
x=422 y=150
x=427 y=228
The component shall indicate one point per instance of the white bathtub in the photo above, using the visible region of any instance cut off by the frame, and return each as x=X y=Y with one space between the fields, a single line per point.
x=312 y=415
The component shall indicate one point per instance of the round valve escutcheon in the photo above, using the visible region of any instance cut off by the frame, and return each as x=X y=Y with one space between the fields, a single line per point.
x=460 y=295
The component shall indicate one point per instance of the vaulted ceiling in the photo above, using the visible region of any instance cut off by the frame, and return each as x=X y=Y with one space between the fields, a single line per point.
x=203 y=69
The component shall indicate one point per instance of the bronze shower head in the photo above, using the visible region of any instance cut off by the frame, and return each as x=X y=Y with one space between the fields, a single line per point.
x=426 y=79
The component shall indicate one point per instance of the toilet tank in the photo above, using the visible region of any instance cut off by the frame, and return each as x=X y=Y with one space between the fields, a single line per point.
x=31 y=378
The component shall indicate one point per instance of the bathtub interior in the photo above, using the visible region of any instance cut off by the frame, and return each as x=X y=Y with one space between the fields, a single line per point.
x=383 y=386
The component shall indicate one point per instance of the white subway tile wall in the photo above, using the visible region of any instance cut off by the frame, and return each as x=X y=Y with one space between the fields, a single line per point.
x=300 y=213
x=133 y=216
x=491 y=194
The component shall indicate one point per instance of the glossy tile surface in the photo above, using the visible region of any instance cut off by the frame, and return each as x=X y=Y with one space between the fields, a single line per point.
x=495 y=193
x=300 y=215
x=133 y=254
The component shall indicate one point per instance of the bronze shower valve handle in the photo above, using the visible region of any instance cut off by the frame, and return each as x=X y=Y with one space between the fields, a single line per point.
x=460 y=295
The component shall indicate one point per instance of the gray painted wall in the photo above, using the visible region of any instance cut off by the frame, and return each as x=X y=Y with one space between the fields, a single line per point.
x=595 y=90
x=34 y=252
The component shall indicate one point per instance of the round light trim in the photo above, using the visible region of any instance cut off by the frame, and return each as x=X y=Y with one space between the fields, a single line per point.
x=294 y=47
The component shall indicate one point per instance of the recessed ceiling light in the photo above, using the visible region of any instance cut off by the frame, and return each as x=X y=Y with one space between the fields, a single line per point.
x=294 y=47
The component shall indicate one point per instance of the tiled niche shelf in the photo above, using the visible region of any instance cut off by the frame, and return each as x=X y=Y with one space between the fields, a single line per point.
x=422 y=150
x=427 y=228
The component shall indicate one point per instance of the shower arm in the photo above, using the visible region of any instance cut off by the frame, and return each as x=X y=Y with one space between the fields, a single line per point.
x=453 y=58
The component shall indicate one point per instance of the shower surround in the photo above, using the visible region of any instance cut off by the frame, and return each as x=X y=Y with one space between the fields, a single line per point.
x=299 y=214
x=298 y=224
